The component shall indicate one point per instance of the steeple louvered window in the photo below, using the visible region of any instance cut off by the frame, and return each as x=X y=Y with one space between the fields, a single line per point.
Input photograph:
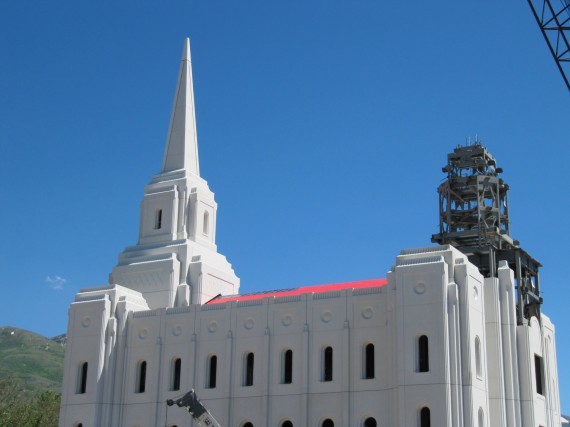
x=158 y=220
x=206 y=223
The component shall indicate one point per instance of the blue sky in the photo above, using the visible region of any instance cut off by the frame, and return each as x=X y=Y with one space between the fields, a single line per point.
x=322 y=127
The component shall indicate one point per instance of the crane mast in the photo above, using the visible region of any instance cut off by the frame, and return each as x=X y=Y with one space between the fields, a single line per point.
x=553 y=18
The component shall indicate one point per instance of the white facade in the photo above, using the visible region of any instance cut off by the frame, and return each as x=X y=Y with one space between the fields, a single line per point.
x=435 y=342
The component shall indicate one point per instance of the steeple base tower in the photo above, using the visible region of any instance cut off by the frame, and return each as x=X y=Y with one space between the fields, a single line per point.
x=175 y=262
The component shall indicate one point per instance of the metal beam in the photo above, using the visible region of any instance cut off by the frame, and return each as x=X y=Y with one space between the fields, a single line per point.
x=554 y=22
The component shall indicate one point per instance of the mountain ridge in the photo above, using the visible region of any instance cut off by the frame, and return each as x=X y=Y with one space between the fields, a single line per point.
x=32 y=358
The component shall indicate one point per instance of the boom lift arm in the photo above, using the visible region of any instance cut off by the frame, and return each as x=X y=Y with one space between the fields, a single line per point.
x=198 y=411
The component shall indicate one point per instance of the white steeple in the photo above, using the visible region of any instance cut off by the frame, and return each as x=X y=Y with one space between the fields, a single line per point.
x=176 y=261
x=181 y=144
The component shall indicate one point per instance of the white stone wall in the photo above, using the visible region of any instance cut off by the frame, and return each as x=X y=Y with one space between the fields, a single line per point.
x=431 y=291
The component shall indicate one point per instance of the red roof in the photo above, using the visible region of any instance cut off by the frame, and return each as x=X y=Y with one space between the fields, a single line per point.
x=302 y=290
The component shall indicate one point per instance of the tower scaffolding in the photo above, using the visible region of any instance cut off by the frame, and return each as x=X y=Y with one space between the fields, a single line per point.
x=474 y=218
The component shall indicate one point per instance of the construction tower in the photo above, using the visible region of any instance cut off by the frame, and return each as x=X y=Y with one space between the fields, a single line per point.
x=474 y=218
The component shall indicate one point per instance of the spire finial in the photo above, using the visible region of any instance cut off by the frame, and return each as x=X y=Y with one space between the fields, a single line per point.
x=182 y=144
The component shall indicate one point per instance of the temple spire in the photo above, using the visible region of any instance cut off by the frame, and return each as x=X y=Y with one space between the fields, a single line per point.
x=182 y=144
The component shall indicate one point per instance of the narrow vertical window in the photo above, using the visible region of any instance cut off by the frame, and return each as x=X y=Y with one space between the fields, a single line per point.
x=327 y=364
x=141 y=377
x=248 y=370
x=481 y=417
x=206 y=223
x=287 y=367
x=176 y=371
x=158 y=220
x=82 y=378
x=478 y=367
x=212 y=371
x=423 y=354
x=425 y=417
x=538 y=374
x=369 y=361
x=287 y=424
x=370 y=422
x=328 y=423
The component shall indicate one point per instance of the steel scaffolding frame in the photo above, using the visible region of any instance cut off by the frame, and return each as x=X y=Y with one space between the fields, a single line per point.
x=474 y=218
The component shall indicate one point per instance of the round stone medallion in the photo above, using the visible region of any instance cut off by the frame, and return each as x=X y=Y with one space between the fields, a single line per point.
x=287 y=320
x=213 y=326
x=367 y=312
x=420 y=288
x=86 y=321
x=248 y=324
x=143 y=333
x=177 y=330
x=326 y=316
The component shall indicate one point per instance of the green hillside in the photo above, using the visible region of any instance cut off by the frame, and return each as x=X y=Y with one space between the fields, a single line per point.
x=36 y=360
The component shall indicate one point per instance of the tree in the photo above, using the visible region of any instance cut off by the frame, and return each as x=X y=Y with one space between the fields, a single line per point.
x=24 y=408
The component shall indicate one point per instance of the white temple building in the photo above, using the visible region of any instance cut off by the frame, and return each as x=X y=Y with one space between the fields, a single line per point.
x=434 y=344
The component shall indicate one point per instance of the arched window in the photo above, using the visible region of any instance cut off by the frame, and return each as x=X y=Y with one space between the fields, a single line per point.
x=287 y=372
x=538 y=373
x=212 y=371
x=79 y=425
x=248 y=425
x=423 y=354
x=478 y=369
x=82 y=378
x=425 y=417
x=175 y=377
x=369 y=361
x=327 y=364
x=206 y=223
x=158 y=220
x=481 y=417
x=328 y=423
x=287 y=424
x=141 y=377
x=370 y=422
x=248 y=380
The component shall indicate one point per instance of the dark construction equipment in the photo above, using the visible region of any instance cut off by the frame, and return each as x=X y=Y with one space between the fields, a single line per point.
x=474 y=218
x=196 y=409
x=553 y=18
